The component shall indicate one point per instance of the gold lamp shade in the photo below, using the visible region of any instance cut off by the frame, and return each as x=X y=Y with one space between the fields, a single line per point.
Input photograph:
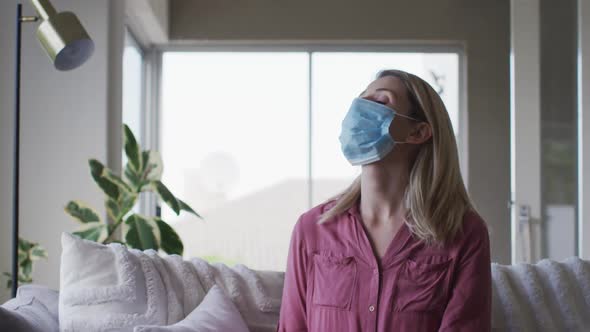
x=62 y=36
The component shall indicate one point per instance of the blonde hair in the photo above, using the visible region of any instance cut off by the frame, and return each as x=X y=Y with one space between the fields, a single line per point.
x=435 y=198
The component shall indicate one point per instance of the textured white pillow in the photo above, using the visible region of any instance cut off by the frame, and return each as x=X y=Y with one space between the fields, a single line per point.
x=216 y=313
x=106 y=288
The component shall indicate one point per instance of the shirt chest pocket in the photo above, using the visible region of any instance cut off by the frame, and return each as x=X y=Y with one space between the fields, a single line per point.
x=334 y=281
x=423 y=284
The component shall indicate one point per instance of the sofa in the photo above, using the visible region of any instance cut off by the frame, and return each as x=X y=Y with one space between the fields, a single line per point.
x=113 y=288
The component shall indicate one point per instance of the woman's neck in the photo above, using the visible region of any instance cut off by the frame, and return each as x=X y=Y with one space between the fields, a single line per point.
x=382 y=193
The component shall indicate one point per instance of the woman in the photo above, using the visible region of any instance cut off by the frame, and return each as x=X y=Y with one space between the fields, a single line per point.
x=402 y=249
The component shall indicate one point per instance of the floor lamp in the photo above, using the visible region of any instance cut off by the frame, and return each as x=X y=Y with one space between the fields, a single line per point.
x=68 y=45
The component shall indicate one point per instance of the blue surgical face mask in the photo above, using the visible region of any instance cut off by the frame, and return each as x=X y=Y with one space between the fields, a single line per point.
x=365 y=134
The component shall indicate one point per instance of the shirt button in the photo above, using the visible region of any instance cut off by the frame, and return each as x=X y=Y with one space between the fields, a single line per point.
x=371 y=308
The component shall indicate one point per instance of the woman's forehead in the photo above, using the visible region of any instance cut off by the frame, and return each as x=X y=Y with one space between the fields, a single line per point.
x=388 y=82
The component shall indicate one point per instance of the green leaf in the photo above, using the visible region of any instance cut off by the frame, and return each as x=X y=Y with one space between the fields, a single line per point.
x=114 y=178
x=22 y=256
x=166 y=196
x=108 y=187
x=117 y=209
x=171 y=242
x=25 y=279
x=24 y=245
x=95 y=231
x=96 y=168
x=98 y=172
x=81 y=212
x=113 y=209
x=38 y=252
x=132 y=177
x=145 y=155
x=140 y=234
x=153 y=166
x=28 y=252
x=185 y=207
x=127 y=203
x=26 y=268
x=132 y=149
x=9 y=280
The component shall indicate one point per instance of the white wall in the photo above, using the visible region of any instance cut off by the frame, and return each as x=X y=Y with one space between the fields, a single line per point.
x=160 y=9
x=148 y=20
x=64 y=121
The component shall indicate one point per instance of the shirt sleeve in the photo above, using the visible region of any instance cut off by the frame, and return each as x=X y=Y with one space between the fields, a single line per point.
x=293 y=315
x=470 y=305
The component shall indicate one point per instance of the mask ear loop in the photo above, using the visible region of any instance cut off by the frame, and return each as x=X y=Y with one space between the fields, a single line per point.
x=409 y=118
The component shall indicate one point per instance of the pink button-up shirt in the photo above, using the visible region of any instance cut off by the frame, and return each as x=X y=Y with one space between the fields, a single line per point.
x=334 y=282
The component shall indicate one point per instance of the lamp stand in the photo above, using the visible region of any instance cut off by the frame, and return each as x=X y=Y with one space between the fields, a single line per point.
x=68 y=45
x=16 y=159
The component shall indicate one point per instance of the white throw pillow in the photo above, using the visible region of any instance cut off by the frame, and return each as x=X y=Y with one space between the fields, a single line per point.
x=107 y=288
x=216 y=313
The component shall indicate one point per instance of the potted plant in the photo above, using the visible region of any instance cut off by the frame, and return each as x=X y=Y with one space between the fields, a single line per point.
x=28 y=253
x=142 y=173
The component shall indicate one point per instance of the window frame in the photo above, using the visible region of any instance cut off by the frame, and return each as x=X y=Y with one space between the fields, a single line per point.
x=131 y=41
x=148 y=135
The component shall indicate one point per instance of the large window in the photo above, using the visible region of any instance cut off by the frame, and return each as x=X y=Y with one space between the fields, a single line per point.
x=250 y=140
